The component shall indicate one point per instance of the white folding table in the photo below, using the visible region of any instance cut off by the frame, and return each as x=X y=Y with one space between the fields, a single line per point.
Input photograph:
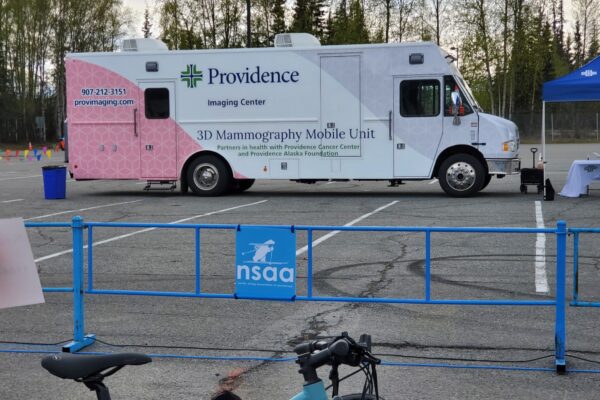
x=581 y=174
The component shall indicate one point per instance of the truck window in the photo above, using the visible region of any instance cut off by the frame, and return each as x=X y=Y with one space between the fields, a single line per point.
x=157 y=103
x=449 y=86
x=420 y=98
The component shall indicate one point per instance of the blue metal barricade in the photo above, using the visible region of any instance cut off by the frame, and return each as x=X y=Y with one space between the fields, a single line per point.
x=80 y=339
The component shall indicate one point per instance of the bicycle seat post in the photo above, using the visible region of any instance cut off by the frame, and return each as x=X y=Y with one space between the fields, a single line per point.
x=100 y=388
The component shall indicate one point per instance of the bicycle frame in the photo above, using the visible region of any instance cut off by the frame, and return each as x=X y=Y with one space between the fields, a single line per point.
x=314 y=391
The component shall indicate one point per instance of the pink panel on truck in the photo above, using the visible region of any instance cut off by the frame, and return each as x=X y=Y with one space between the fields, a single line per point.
x=100 y=108
x=102 y=142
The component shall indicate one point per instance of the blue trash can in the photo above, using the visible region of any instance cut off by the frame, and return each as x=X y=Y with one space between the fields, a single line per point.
x=55 y=181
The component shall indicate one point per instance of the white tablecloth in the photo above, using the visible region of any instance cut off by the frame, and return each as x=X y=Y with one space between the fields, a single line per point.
x=581 y=174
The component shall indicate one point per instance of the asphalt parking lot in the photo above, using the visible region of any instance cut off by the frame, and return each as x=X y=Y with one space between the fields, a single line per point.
x=382 y=264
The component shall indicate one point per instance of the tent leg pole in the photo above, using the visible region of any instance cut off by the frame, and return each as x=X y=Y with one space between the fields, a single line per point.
x=544 y=146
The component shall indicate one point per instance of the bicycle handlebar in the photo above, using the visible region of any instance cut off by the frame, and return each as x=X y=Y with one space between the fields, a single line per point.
x=341 y=350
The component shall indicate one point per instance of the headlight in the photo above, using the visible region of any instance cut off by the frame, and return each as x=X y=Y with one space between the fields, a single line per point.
x=510 y=145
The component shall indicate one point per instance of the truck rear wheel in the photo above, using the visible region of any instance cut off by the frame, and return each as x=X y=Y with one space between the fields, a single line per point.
x=461 y=175
x=208 y=176
x=241 y=185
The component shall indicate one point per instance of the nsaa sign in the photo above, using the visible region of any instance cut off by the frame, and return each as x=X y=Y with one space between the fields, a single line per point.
x=265 y=265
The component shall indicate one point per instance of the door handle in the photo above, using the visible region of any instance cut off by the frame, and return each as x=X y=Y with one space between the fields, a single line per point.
x=390 y=124
x=135 y=132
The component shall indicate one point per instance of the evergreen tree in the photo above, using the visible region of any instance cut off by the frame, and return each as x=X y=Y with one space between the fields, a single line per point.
x=578 y=50
x=568 y=45
x=329 y=32
x=278 y=11
x=379 y=36
x=340 y=25
x=358 y=32
x=593 y=49
x=315 y=8
x=147 y=25
x=301 y=20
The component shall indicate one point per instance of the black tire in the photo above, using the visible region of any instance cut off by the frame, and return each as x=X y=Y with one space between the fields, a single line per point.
x=226 y=396
x=358 y=396
x=183 y=186
x=486 y=182
x=208 y=176
x=523 y=189
x=241 y=185
x=461 y=175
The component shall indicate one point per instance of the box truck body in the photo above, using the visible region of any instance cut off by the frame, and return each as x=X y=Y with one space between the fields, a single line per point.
x=215 y=120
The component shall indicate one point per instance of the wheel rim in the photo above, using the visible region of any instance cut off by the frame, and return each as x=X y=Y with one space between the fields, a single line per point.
x=461 y=176
x=206 y=176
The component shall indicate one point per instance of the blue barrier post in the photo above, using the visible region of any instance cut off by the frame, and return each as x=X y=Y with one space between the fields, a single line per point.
x=560 y=329
x=428 y=265
x=79 y=339
x=197 y=237
x=575 y=268
x=90 y=285
x=309 y=267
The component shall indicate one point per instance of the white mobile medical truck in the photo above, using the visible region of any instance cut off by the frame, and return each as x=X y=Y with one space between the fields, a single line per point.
x=216 y=120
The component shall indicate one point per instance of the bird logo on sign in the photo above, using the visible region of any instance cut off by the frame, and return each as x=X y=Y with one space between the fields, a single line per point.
x=261 y=251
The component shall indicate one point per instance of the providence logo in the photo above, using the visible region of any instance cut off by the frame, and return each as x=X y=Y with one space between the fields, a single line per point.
x=191 y=75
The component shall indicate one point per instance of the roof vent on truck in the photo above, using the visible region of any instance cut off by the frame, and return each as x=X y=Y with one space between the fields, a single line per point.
x=296 y=40
x=143 y=45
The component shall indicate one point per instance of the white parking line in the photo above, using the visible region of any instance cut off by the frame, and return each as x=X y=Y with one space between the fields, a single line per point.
x=333 y=233
x=19 y=177
x=81 y=209
x=11 y=201
x=541 y=281
x=112 y=239
x=433 y=181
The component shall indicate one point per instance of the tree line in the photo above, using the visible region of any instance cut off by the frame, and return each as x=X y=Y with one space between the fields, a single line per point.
x=35 y=36
x=505 y=49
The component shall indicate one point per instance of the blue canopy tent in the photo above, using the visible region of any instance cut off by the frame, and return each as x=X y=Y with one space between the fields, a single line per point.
x=583 y=84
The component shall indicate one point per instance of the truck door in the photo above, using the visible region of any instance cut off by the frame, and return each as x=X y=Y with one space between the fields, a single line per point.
x=157 y=130
x=417 y=125
x=466 y=131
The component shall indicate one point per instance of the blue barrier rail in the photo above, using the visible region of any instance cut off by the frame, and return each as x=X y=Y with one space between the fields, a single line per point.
x=80 y=339
x=575 y=301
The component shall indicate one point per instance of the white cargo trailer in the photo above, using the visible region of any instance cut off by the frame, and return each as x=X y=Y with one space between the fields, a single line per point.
x=216 y=120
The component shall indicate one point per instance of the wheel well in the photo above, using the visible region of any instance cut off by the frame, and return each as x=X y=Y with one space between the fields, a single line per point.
x=462 y=149
x=197 y=155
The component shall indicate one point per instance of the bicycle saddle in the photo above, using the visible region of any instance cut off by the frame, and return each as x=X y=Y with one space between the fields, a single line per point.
x=71 y=366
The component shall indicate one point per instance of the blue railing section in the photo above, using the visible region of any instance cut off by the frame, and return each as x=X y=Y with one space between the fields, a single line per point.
x=576 y=232
x=80 y=339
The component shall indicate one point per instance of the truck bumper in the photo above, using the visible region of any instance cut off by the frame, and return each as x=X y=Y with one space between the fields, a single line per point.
x=503 y=166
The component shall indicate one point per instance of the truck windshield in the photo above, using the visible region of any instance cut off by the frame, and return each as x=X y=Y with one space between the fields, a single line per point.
x=469 y=93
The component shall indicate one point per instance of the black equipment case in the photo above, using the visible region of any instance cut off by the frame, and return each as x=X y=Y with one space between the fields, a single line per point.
x=532 y=176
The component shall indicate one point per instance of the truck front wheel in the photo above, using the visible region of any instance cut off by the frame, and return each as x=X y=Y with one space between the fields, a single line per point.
x=208 y=176
x=461 y=175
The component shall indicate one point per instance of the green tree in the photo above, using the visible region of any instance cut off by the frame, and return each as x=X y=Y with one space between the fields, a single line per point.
x=357 y=28
x=301 y=18
x=147 y=25
x=278 y=12
x=578 y=49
